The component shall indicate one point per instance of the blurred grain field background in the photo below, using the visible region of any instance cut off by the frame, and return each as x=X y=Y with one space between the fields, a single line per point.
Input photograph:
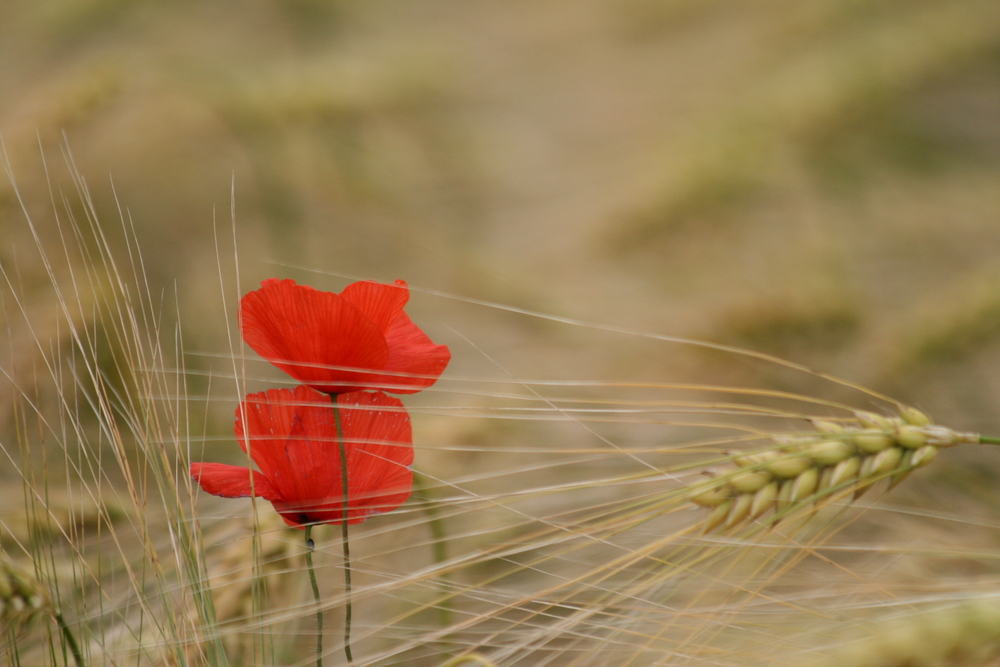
x=814 y=180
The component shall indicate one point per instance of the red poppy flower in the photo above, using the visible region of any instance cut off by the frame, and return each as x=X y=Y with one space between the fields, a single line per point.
x=339 y=343
x=293 y=440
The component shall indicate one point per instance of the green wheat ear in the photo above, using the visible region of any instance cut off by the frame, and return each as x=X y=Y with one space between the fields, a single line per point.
x=22 y=598
x=966 y=635
x=838 y=460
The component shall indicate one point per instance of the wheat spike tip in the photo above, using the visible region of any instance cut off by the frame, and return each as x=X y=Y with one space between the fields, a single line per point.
x=840 y=459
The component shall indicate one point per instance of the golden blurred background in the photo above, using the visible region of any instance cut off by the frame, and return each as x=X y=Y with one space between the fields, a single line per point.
x=813 y=179
x=816 y=180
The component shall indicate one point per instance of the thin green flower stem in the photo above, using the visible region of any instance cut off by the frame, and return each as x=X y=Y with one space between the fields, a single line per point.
x=310 y=547
x=440 y=542
x=348 y=608
x=987 y=440
x=70 y=639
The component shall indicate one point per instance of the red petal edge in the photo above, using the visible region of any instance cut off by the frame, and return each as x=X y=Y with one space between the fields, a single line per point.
x=270 y=420
x=379 y=302
x=379 y=444
x=229 y=481
x=318 y=338
x=414 y=362
x=379 y=440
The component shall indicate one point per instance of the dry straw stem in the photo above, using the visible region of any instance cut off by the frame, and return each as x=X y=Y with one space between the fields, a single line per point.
x=840 y=459
x=608 y=572
x=470 y=660
x=117 y=415
x=244 y=576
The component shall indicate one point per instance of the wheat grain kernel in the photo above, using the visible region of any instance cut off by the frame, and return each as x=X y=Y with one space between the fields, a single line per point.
x=904 y=469
x=740 y=510
x=805 y=485
x=844 y=471
x=784 y=495
x=749 y=481
x=747 y=460
x=789 y=465
x=882 y=463
x=713 y=495
x=824 y=479
x=718 y=515
x=830 y=452
x=866 y=470
x=923 y=456
x=791 y=443
x=764 y=500
x=872 y=441
x=914 y=417
x=911 y=437
x=824 y=426
x=873 y=421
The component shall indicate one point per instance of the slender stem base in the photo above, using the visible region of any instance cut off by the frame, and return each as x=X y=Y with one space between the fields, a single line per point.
x=987 y=440
x=311 y=546
x=348 y=607
x=70 y=639
x=440 y=543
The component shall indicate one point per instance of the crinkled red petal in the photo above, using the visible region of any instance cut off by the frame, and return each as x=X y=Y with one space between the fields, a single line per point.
x=293 y=438
x=313 y=460
x=278 y=423
x=379 y=442
x=414 y=362
x=380 y=303
x=318 y=338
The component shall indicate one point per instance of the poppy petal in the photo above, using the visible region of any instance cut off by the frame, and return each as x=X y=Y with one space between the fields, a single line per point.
x=277 y=417
x=292 y=520
x=379 y=441
x=380 y=303
x=378 y=446
x=393 y=491
x=313 y=457
x=229 y=481
x=414 y=362
x=316 y=337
